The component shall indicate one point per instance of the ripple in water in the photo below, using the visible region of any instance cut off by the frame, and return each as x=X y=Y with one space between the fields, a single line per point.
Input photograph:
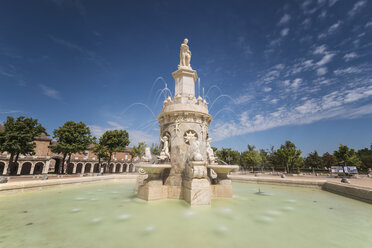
x=291 y=200
x=149 y=228
x=124 y=217
x=226 y=210
x=273 y=212
x=79 y=198
x=93 y=199
x=189 y=213
x=265 y=219
x=115 y=192
x=223 y=228
x=74 y=210
x=288 y=208
x=96 y=220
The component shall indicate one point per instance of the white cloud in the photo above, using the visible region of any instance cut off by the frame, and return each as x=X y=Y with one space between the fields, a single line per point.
x=335 y=105
x=357 y=7
x=350 y=56
x=267 y=89
x=326 y=59
x=284 y=32
x=135 y=136
x=332 y=2
x=348 y=70
x=334 y=27
x=52 y=93
x=285 y=19
x=321 y=71
x=296 y=83
x=322 y=49
x=368 y=24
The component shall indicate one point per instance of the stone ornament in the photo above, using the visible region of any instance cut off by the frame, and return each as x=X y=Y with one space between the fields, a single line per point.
x=210 y=153
x=148 y=156
x=164 y=154
x=185 y=55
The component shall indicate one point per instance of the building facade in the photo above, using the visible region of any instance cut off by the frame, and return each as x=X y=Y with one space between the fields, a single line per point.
x=45 y=161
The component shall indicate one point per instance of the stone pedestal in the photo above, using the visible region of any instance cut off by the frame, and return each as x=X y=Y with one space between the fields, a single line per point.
x=152 y=190
x=197 y=191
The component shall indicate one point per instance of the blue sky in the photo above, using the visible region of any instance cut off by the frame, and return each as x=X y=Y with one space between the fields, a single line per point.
x=270 y=70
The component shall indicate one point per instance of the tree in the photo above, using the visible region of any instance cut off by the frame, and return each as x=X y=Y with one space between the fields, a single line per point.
x=289 y=156
x=251 y=158
x=346 y=157
x=313 y=160
x=114 y=141
x=264 y=157
x=328 y=160
x=155 y=149
x=365 y=155
x=101 y=152
x=138 y=151
x=71 y=138
x=18 y=138
x=228 y=155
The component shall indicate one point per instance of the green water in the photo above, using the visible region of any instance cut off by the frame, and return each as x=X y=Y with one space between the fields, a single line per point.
x=109 y=215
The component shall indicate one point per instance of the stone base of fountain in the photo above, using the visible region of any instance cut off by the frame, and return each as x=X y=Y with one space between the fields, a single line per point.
x=198 y=188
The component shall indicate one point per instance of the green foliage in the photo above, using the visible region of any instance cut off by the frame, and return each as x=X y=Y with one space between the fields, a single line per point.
x=365 y=156
x=115 y=141
x=251 y=158
x=347 y=157
x=289 y=156
x=101 y=152
x=71 y=138
x=328 y=160
x=155 y=149
x=228 y=155
x=138 y=151
x=313 y=160
x=18 y=138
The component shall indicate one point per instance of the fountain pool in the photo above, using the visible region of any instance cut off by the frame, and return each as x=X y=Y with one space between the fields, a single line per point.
x=108 y=214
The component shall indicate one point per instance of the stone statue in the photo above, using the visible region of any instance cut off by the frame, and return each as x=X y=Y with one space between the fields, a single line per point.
x=210 y=153
x=148 y=156
x=185 y=55
x=164 y=154
x=190 y=137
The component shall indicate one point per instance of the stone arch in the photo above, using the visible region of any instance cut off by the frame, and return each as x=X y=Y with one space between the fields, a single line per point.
x=38 y=168
x=131 y=168
x=111 y=168
x=14 y=170
x=88 y=166
x=26 y=168
x=79 y=167
x=118 y=168
x=70 y=168
x=125 y=167
x=2 y=168
x=96 y=168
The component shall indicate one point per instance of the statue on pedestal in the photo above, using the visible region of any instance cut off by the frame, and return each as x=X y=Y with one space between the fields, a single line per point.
x=164 y=154
x=210 y=153
x=185 y=55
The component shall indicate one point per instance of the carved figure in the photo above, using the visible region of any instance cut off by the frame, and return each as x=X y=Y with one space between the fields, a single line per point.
x=185 y=55
x=164 y=154
x=210 y=153
x=190 y=138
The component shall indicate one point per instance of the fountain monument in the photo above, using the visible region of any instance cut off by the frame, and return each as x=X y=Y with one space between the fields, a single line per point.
x=186 y=167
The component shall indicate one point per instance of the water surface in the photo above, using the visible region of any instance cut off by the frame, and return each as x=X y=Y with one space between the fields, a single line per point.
x=109 y=215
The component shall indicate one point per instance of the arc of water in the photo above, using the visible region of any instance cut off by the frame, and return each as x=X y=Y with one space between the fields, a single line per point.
x=214 y=87
x=224 y=109
x=219 y=97
x=141 y=104
x=153 y=84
